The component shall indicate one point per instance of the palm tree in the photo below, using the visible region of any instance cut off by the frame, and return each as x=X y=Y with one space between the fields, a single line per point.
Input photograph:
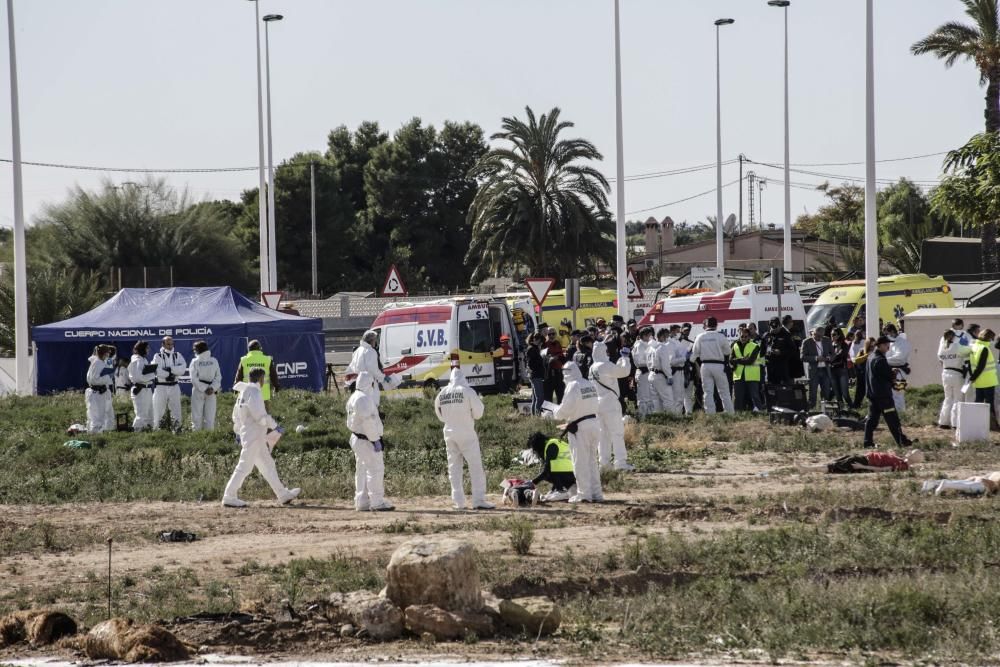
x=538 y=205
x=979 y=42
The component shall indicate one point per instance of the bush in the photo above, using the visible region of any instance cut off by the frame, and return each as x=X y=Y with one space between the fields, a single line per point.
x=521 y=536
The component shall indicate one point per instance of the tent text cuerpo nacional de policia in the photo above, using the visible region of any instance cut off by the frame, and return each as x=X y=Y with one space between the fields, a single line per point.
x=220 y=316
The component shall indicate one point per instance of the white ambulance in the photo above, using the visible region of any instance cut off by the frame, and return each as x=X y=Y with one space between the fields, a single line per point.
x=419 y=341
x=740 y=305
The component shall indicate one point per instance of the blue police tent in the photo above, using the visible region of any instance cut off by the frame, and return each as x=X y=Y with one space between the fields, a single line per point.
x=221 y=316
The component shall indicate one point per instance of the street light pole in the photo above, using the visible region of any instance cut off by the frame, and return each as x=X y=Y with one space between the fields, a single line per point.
x=272 y=251
x=720 y=259
x=871 y=219
x=788 y=181
x=312 y=198
x=620 y=267
x=22 y=365
x=262 y=190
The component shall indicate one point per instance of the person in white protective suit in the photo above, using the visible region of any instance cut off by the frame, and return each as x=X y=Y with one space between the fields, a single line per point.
x=640 y=353
x=954 y=356
x=458 y=406
x=206 y=381
x=605 y=375
x=109 y=397
x=251 y=422
x=365 y=360
x=170 y=366
x=142 y=386
x=100 y=385
x=683 y=385
x=579 y=408
x=365 y=426
x=898 y=357
x=712 y=350
x=661 y=373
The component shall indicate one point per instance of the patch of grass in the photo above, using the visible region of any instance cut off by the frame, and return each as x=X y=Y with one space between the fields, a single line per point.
x=522 y=534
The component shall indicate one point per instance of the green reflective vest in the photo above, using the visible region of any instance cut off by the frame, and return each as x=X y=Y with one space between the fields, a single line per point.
x=988 y=378
x=257 y=359
x=748 y=372
x=563 y=462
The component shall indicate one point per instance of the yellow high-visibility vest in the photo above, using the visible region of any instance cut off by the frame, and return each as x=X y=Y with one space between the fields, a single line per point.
x=988 y=378
x=748 y=372
x=257 y=359
x=562 y=462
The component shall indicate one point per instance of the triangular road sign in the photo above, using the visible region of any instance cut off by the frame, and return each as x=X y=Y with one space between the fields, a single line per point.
x=539 y=288
x=271 y=299
x=632 y=287
x=393 y=283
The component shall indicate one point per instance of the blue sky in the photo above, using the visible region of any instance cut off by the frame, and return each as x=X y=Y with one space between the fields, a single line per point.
x=119 y=83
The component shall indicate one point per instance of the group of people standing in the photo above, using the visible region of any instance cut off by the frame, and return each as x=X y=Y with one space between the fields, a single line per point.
x=968 y=370
x=153 y=384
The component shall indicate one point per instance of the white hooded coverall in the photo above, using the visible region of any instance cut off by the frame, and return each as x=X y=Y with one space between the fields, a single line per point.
x=251 y=421
x=662 y=376
x=640 y=353
x=365 y=360
x=899 y=356
x=366 y=442
x=714 y=349
x=458 y=406
x=167 y=394
x=605 y=375
x=580 y=401
x=205 y=374
x=98 y=401
x=142 y=392
x=953 y=358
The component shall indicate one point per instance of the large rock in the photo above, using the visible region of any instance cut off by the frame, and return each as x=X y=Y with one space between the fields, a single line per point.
x=427 y=619
x=439 y=572
x=375 y=616
x=37 y=627
x=533 y=615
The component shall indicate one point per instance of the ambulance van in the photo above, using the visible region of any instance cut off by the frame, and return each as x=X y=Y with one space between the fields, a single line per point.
x=733 y=307
x=419 y=341
x=897 y=296
x=594 y=304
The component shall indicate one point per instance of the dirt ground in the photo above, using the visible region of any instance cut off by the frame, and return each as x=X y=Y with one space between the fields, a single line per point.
x=699 y=500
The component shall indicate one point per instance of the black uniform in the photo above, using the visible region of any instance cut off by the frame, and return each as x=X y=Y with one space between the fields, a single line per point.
x=880 y=404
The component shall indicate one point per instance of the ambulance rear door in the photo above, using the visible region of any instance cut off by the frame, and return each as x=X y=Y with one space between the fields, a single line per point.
x=475 y=343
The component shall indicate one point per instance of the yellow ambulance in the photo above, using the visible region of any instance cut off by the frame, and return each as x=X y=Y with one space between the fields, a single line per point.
x=595 y=304
x=897 y=296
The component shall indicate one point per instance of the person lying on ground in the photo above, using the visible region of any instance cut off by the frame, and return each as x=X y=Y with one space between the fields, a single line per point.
x=870 y=462
x=970 y=486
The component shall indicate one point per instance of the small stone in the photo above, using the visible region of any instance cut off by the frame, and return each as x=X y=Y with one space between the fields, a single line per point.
x=445 y=625
x=347 y=630
x=427 y=638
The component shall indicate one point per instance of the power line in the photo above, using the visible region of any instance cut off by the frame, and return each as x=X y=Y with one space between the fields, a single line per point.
x=681 y=201
x=132 y=170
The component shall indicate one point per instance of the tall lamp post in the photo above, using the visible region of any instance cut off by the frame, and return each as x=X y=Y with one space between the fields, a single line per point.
x=720 y=260
x=22 y=365
x=272 y=251
x=871 y=219
x=261 y=192
x=788 y=184
x=620 y=267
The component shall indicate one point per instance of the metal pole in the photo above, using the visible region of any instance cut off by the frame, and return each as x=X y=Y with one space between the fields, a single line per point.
x=109 y=573
x=620 y=268
x=740 y=188
x=720 y=261
x=262 y=189
x=312 y=192
x=22 y=372
x=272 y=253
x=788 y=180
x=871 y=220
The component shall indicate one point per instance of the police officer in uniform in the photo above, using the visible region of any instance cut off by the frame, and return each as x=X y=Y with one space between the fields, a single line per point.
x=746 y=373
x=255 y=358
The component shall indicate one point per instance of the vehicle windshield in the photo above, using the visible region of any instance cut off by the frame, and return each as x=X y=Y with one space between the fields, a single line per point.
x=475 y=336
x=819 y=315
